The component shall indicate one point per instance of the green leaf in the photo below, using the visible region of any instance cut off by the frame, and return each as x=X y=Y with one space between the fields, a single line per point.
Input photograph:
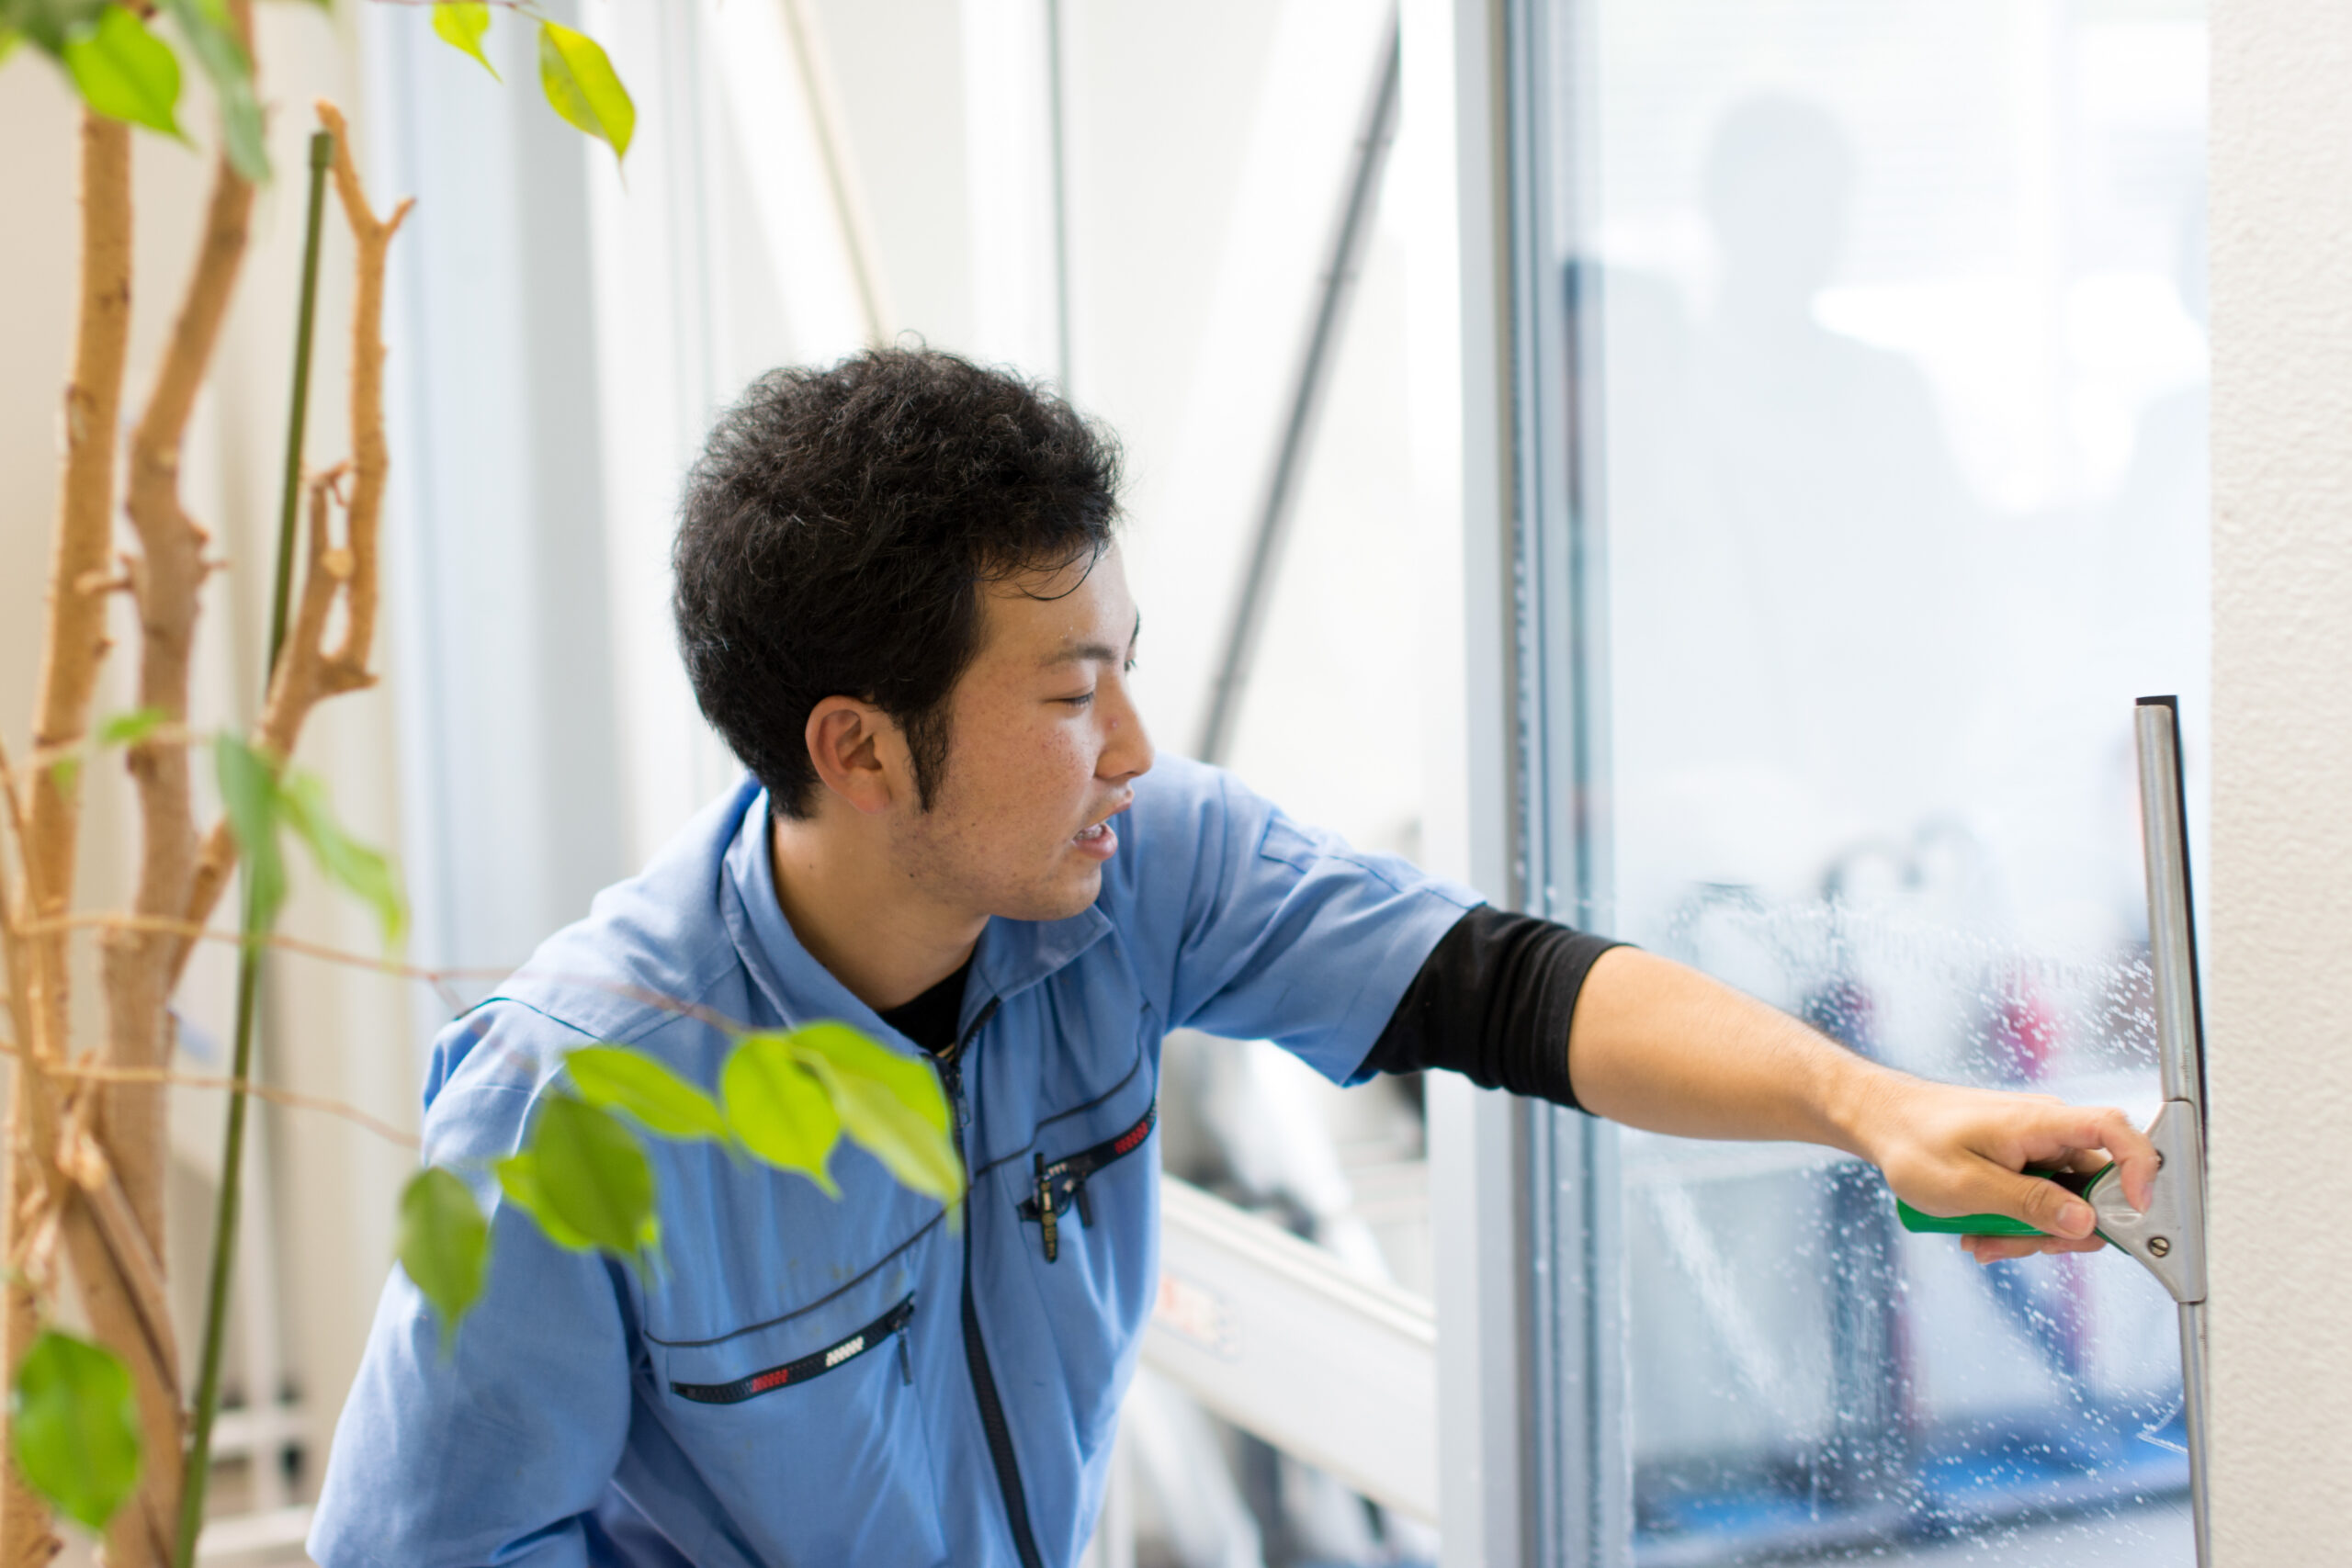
x=779 y=1109
x=123 y=70
x=581 y=87
x=594 y=1176
x=129 y=728
x=890 y=1104
x=617 y=1079
x=518 y=1177
x=213 y=39
x=47 y=24
x=76 y=1427
x=249 y=791
x=9 y=38
x=461 y=26
x=444 y=1244
x=63 y=774
x=352 y=865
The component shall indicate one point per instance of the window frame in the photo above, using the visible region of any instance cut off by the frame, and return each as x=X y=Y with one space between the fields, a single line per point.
x=1535 y=1465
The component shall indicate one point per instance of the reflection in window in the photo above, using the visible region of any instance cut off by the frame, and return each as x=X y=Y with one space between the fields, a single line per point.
x=1901 y=434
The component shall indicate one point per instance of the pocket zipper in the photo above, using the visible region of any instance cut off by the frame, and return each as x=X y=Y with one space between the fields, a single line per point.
x=815 y=1364
x=1060 y=1185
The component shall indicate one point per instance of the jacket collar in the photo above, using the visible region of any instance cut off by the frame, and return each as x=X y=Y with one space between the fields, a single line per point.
x=1013 y=956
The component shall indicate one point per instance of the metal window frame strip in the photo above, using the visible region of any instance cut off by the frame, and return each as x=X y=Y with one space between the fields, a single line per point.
x=1536 y=1467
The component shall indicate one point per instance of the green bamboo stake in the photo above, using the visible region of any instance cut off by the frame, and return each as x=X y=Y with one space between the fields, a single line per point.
x=224 y=1232
x=290 y=503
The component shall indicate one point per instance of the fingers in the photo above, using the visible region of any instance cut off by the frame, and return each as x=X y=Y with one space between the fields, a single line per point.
x=2045 y=1205
x=1963 y=1157
x=2136 y=1159
x=2083 y=1138
x=2006 y=1249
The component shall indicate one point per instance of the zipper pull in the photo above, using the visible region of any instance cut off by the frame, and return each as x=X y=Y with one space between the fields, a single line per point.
x=1085 y=1204
x=1045 y=1209
x=906 y=1359
x=951 y=1079
x=951 y=1065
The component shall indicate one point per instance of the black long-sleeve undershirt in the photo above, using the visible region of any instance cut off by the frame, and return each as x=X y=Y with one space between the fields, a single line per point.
x=1492 y=1002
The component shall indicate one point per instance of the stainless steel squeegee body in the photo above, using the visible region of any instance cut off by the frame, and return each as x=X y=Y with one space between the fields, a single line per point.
x=2177 y=1219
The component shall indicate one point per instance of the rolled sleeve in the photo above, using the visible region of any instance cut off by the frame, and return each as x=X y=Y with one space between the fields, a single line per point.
x=1287 y=933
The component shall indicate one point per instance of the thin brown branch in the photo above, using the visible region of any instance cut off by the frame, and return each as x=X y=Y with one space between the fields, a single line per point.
x=133 y=1256
x=14 y=890
x=308 y=671
x=293 y=1100
x=121 y=1291
x=166 y=577
x=85 y=749
x=332 y=574
x=134 y=1326
x=131 y=1137
x=13 y=955
x=75 y=643
x=27 y=1539
x=370 y=454
x=98 y=1072
x=190 y=932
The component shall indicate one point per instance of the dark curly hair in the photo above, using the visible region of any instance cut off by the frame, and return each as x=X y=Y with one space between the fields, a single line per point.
x=839 y=528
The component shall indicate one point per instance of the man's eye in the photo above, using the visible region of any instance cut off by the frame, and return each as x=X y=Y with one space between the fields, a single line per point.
x=1078 y=701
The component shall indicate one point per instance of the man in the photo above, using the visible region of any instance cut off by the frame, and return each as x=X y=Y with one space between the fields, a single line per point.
x=901 y=602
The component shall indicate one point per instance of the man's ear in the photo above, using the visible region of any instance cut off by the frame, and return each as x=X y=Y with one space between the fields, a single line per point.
x=858 y=752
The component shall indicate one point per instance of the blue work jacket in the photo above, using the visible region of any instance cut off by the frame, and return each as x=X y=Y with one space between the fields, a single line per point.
x=805 y=1380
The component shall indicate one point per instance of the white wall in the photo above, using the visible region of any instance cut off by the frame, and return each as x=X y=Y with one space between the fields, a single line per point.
x=2279 y=953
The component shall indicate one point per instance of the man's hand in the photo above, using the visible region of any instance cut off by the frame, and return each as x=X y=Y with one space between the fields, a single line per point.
x=1949 y=1151
x=1657 y=1045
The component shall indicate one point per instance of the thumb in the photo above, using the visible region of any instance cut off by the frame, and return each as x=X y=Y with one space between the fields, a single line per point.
x=2045 y=1205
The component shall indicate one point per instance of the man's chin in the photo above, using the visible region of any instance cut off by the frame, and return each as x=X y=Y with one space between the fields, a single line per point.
x=1067 y=896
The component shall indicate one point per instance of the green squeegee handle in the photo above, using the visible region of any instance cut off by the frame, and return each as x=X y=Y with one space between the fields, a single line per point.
x=2073 y=1181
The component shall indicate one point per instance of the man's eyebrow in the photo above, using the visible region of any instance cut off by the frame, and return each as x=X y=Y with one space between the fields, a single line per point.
x=1094 y=652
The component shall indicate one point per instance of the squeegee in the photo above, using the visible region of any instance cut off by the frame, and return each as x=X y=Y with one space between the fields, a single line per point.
x=2169 y=1239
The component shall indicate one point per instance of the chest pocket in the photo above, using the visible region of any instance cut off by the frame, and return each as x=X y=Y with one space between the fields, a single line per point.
x=818 y=1417
x=1086 y=1199
x=875 y=1335
x=1059 y=1188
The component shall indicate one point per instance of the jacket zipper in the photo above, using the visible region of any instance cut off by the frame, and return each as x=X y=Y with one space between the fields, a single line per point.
x=976 y=1352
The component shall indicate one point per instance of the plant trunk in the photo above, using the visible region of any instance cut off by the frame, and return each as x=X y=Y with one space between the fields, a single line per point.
x=131 y=1132
x=71 y=650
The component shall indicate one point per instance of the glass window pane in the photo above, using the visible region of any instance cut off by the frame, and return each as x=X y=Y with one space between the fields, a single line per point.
x=1900 y=429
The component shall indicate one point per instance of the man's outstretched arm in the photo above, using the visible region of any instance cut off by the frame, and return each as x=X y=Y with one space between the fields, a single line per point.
x=1658 y=1046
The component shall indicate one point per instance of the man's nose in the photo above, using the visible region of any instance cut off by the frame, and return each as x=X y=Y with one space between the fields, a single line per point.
x=1127 y=751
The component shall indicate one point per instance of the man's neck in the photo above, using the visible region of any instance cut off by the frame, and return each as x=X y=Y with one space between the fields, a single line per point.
x=875 y=934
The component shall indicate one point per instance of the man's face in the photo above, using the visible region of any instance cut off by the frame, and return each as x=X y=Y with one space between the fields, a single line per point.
x=1043 y=742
